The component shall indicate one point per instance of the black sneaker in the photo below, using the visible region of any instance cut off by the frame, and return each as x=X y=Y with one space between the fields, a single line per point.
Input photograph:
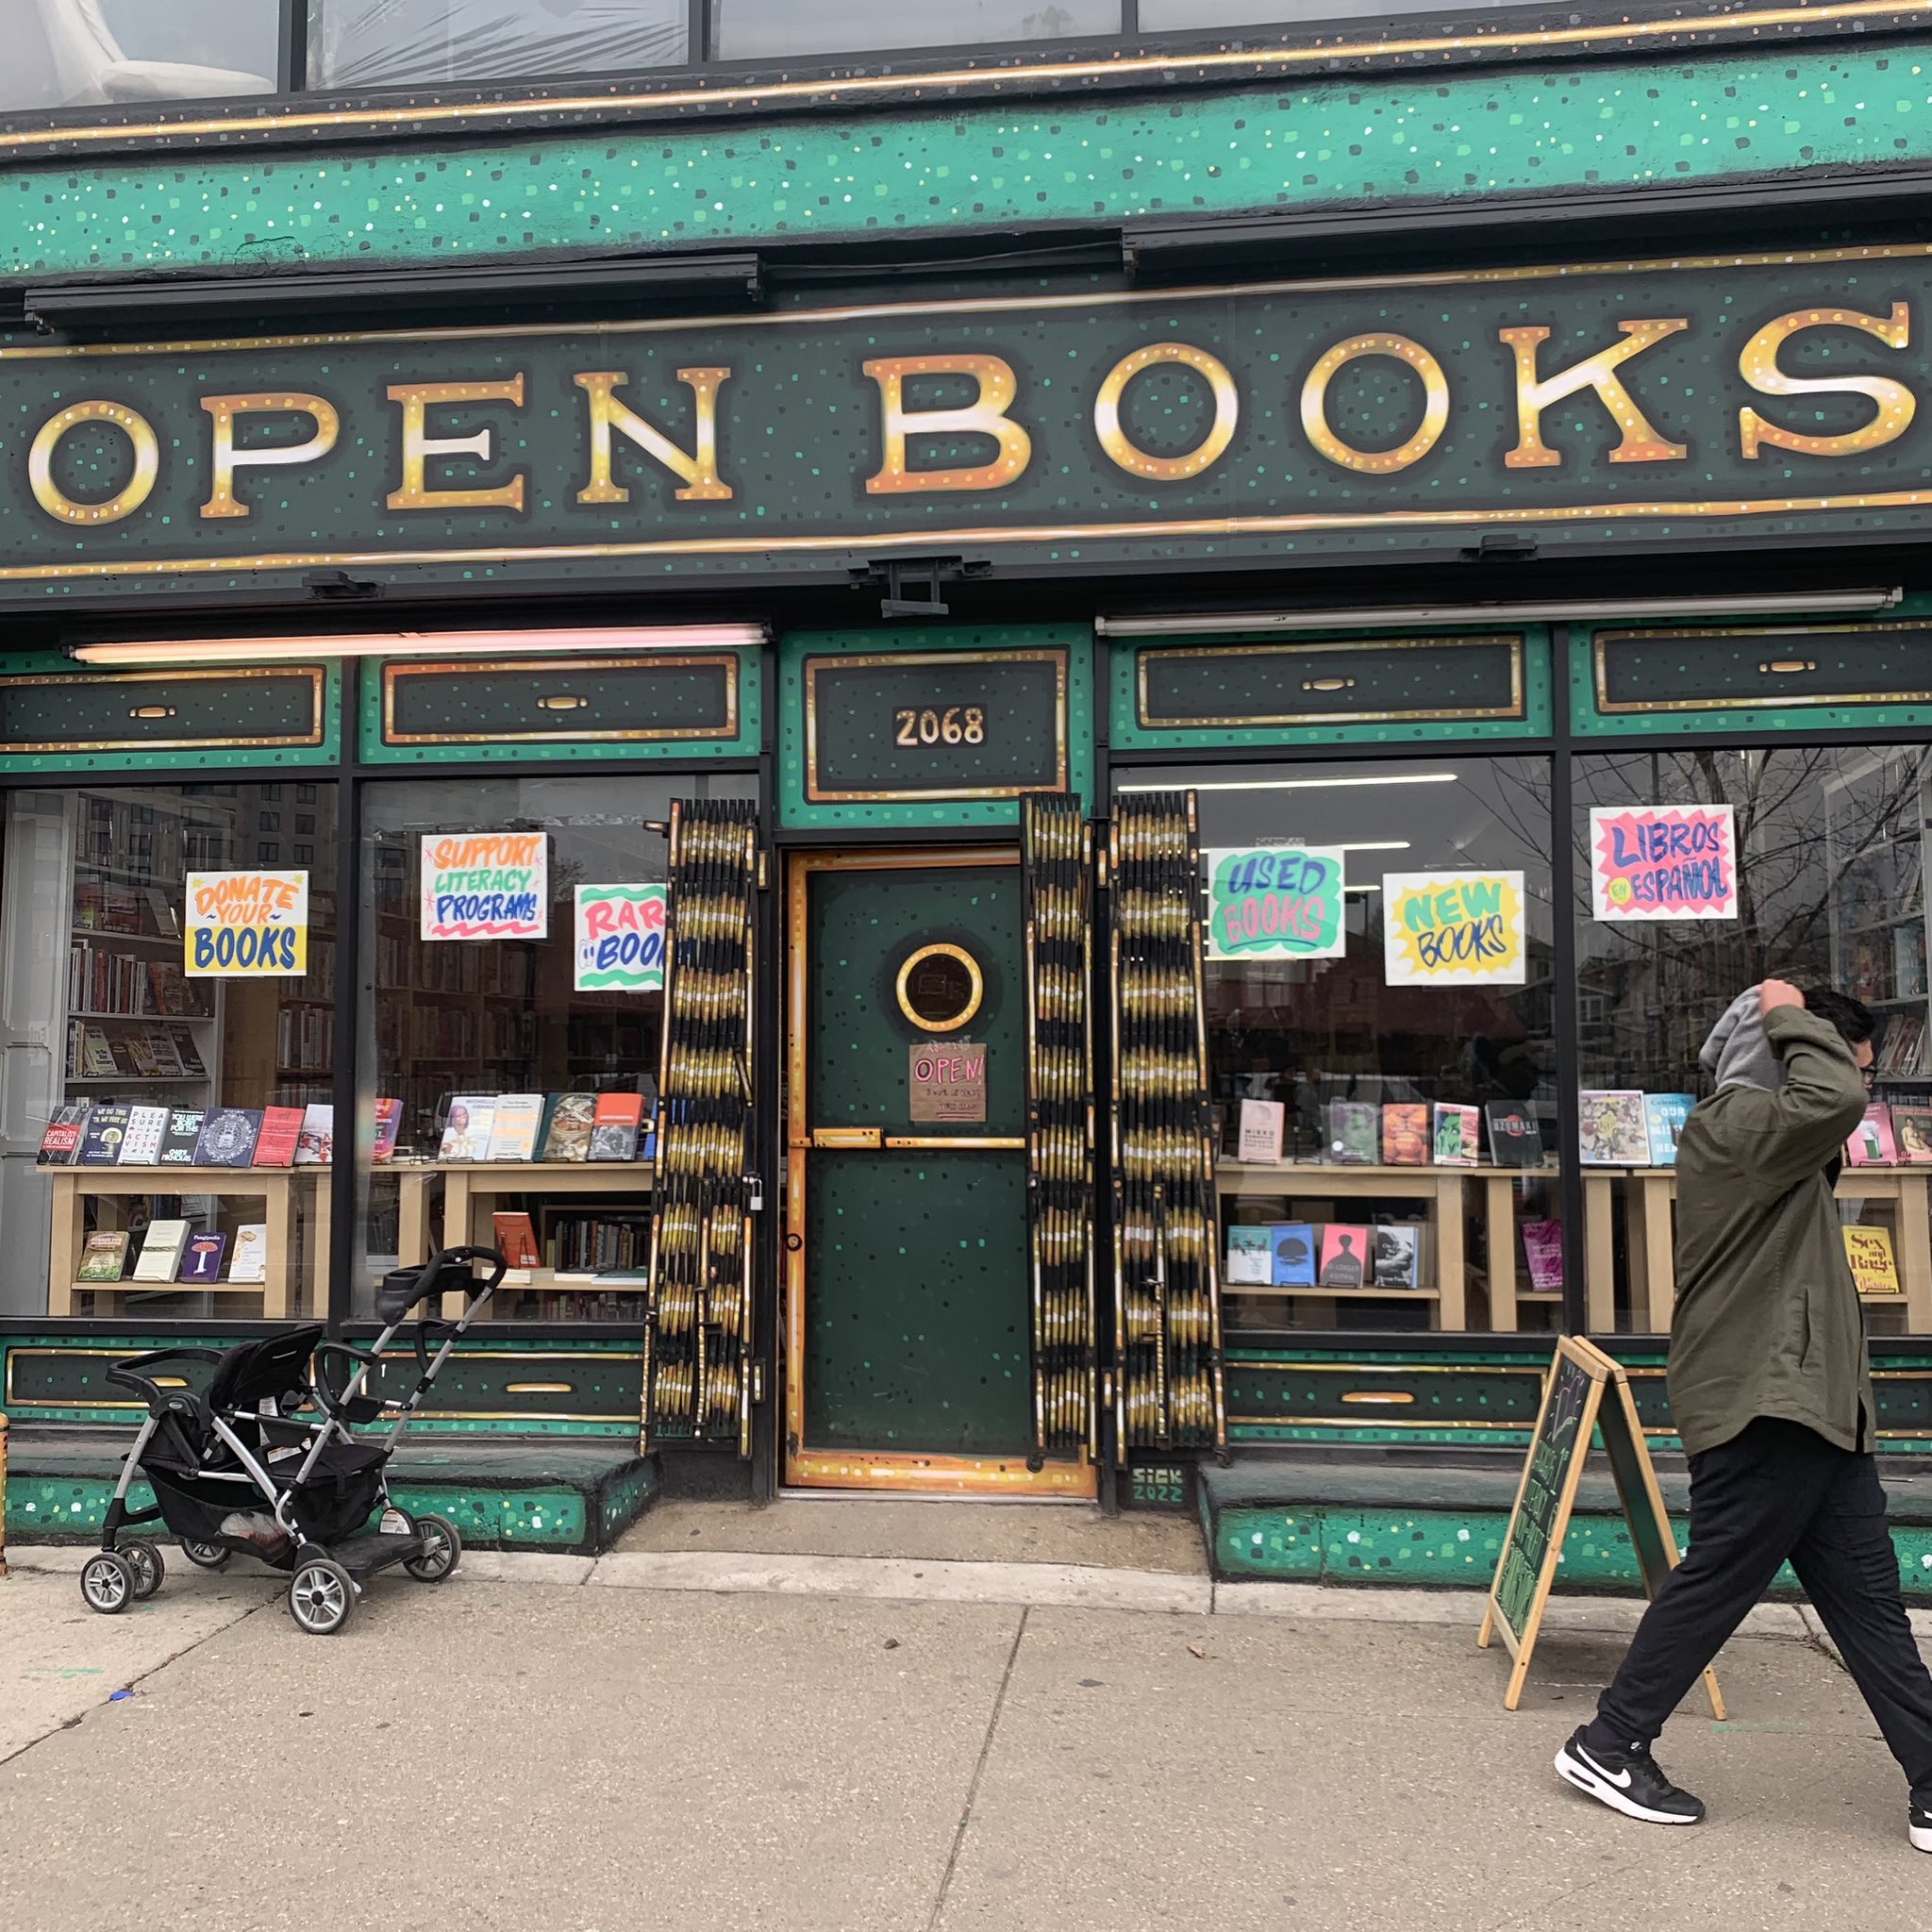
x=1630 y=1782
x=1919 y=1826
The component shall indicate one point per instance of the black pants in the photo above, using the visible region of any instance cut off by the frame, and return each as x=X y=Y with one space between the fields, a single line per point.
x=1780 y=1490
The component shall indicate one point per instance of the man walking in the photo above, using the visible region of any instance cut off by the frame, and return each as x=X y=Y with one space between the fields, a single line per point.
x=1770 y=1391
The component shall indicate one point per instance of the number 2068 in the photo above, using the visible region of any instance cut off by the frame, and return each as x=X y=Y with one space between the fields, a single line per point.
x=956 y=724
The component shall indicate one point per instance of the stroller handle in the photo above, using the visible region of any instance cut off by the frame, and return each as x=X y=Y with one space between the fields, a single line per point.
x=447 y=1271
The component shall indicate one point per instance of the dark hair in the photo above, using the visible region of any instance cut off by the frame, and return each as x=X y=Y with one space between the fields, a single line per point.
x=1853 y=1018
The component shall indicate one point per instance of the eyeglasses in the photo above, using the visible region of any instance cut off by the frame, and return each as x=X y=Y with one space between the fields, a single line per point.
x=1870 y=1077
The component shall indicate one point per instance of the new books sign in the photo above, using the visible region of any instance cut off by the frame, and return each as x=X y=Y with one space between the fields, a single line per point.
x=1653 y=401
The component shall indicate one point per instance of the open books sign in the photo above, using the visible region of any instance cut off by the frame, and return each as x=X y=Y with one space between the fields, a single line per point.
x=1663 y=862
x=486 y=885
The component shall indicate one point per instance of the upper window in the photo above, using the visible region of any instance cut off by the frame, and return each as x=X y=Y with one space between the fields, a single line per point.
x=99 y=53
x=355 y=43
x=752 y=29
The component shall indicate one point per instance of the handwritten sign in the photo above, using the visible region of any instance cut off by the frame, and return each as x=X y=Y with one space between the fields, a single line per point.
x=1663 y=862
x=486 y=886
x=1275 y=902
x=1453 y=928
x=946 y=1080
x=242 y=924
x=620 y=938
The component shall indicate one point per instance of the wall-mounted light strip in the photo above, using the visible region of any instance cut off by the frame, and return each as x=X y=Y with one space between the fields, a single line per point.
x=1295 y=784
x=168 y=652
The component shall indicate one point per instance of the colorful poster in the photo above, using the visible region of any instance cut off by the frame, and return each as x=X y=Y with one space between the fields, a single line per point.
x=242 y=924
x=1275 y=902
x=620 y=938
x=486 y=885
x=1663 y=862
x=1453 y=928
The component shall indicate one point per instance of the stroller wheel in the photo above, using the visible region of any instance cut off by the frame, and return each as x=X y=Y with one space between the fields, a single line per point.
x=106 y=1583
x=443 y=1550
x=321 y=1595
x=144 y=1558
x=206 y=1556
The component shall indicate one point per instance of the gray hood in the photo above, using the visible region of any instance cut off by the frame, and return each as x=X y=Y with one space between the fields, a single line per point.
x=1737 y=1054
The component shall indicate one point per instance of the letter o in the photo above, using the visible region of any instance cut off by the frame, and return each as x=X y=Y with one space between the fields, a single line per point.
x=1378 y=463
x=1136 y=463
x=148 y=463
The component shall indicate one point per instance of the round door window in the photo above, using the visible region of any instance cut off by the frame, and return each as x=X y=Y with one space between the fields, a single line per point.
x=939 y=988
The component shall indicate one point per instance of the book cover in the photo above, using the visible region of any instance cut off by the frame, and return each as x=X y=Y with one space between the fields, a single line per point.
x=227 y=1137
x=1346 y=1257
x=1354 y=1132
x=1516 y=1137
x=1261 y=1131
x=182 y=1136
x=166 y=1056
x=1871 y=1145
x=142 y=1054
x=315 y=1146
x=167 y=920
x=513 y=1126
x=1458 y=1135
x=105 y=1257
x=275 y=1142
x=1250 y=1257
x=1611 y=1126
x=516 y=1240
x=389 y=1118
x=466 y=1132
x=106 y=1127
x=1869 y=1251
x=1912 y=1127
x=201 y=1260
x=1406 y=1133
x=97 y=1055
x=161 y=1251
x=1664 y=1115
x=1293 y=1254
x=251 y=1253
x=568 y=1135
x=614 y=1131
x=1543 y=1250
x=187 y=1052
x=1398 y=1247
x=62 y=1140
x=141 y=1146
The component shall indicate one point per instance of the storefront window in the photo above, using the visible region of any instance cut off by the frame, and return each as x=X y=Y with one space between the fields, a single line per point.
x=1702 y=873
x=509 y=1088
x=355 y=43
x=94 y=52
x=1386 y=1114
x=167 y=1004
x=753 y=29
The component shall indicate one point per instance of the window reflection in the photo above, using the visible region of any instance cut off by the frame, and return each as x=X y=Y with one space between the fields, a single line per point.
x=383 y=43
x=750 y=29
x=92 y=53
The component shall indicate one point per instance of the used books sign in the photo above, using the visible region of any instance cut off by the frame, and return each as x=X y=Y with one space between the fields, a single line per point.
x=1275 y=902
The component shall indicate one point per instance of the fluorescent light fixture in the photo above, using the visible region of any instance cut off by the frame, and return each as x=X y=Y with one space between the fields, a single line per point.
x=165 y=652
x=1573 y=610
x=1375 y=846
x=1296 y=785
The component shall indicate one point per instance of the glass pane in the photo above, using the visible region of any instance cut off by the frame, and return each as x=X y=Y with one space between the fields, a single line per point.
x=751 y=29
x=96 y=53
x=498 y=1102
x=166 y=1129
x=1830 y=891
x=1166 y=16
x=1416 y=1186
x=355 y=43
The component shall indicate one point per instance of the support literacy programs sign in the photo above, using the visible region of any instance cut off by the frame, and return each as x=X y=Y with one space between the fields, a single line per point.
x=245 y=923
x=1275 y=902
x=1453 y=928
x=486 y=885
x=619 y=932
x=1663 y=862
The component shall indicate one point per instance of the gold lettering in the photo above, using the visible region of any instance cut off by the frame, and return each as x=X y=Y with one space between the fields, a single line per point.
x=1640 y=443
x=985 y=416
x=1757 y=364
x=1378 y=463
x=1136 y=463
x=139 y=486
x=417 y=398
x=699 y=470
x=226 y=458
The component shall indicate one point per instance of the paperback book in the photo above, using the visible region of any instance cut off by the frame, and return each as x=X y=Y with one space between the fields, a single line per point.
x=1912 y=1128
x=315 y=1146
x=1354 y=1132
x=105 y=1255
x=1250 y=1257
x=161 y=1251
x=614 y=1131
x=1516 y=1139
x=1874 y=1271
x=62 y=1140
x=516 y=1240
x=1398 y=1249
x=513 y=1126
x=201 y=1260
x=1873 y=1142
x=567 y=1135
x=1459 y=1132
x=1542 y=1251
x=1292 y=1244
x=389 y=1118
x=1406 y=1133
x=97 y=1060
x=1261 y=1128
x=141 y=1146
x=466 y=1131
x=1664 y=1115
x=275 y=1144
x=1346 y=1257
x=251 y=1253
x=106 y=1127
x=182 y=1136
x=1612 y=1128
x=227 y=1137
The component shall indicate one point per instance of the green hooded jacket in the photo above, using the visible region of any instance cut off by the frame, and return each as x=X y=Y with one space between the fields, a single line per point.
x=1768 y=1322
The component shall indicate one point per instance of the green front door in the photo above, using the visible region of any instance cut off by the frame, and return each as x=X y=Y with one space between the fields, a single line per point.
x=910 y=1362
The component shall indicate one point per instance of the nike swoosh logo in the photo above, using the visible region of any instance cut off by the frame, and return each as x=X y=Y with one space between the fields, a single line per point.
x=1620 y=1778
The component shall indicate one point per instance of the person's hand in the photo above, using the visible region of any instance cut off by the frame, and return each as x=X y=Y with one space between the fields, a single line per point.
x=1775 y=994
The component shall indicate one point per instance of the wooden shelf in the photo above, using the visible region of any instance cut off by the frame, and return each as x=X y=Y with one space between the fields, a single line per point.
x=170 y=940
x=1342 y=1294
x=1421 y=1173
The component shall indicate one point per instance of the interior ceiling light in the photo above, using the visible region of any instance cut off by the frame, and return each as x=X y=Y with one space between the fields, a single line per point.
x=163 y=652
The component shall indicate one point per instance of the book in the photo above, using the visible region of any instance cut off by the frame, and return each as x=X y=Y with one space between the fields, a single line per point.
x=1458 y=1135
x=1912 y=1126
x=1664 y=1115
x=201 y=1260
x=1516 y=1137
x=227 y=1137
x=516 y=1240
x=1261 y=1131
x=161 y=1251
x=142 y=1054
x=1354 y=1132
x=1250 y=1257
x=275 y=1144
x=1611 y=1127
x=1869 y=1251
x=60 y=1141
x=141 y=1146
x=315 y=1146
x=1406 y=1133
x=389 y=1118
x=1293 y=1254
x=105 y=1257
x=251 y=1253
x=97 y=1055
x=1873 y=1142
x=567 y=1133
x=167 y=920
x=466 y=1131
x=513 y=1126
x=183 y=1135
x=1347 y=1255
x=106 y=1127
x=1398 y=1249
x=165 y=1054
x=187 y=1052
x=614 y=1131
x=1543 y=1250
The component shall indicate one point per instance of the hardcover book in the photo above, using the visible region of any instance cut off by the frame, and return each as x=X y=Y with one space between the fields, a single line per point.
x=1261 y=1131
x=1250 y=1257
x=141 y=1146
x=183 y=1136
x=315 y=1146
x=201 y=1260
x=1874 y=1269
x=1354 y=1132
x=1294 y=1245
x=1664 y=1115
x=1347 y=1257
x=1458 y=1135
x=1611 y=1126
x=106 y=1127
x=513 y=1126
x=1406 y=1133
x=1398 y=1248
x=466 y=1132
x=1873 y=1142
x=60 y=1141
x=614 y=1131
x=251 y=1253
x=227 y=1137
x=1516 y=1139
x=275 y=1144
x=161 y=1251
x=105 y=1255
x=388 y=1117
x=1912 y=1128
x=516 y=1240
x=567 y=1137
x=1543 y=1250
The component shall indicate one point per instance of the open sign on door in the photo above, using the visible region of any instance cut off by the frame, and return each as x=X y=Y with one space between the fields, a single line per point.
x=946 y=1080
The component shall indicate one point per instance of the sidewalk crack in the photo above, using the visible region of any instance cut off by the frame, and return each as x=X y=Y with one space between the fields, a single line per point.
x=999 y=1701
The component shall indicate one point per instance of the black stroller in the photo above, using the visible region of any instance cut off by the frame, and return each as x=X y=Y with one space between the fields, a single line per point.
x=265 y=1459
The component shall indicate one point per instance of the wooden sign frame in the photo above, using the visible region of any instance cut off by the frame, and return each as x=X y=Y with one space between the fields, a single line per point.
x=1605 y=1404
